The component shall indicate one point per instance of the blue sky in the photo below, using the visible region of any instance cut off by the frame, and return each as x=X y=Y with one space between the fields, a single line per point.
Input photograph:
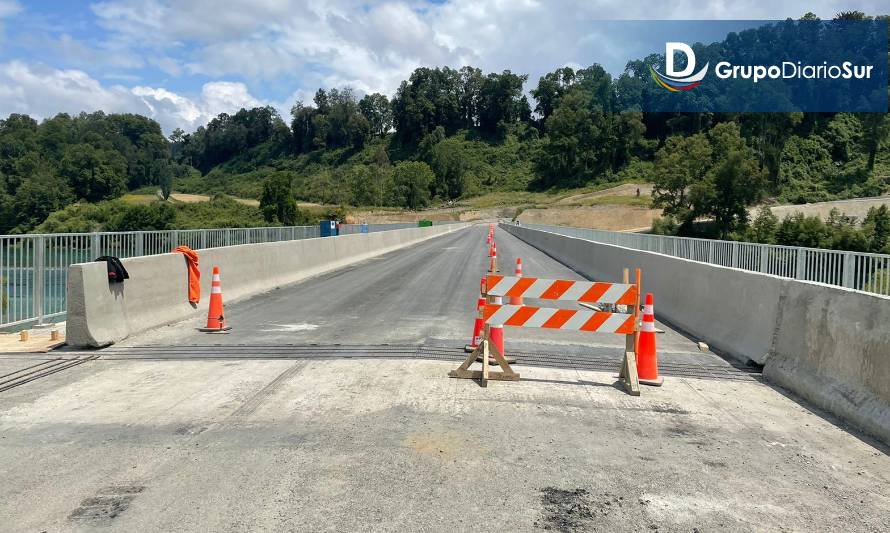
x=184 y=62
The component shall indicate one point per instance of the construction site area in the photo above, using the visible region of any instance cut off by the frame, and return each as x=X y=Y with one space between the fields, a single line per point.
x=328 y=394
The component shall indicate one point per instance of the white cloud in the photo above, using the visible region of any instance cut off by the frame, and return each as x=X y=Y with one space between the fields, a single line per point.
x=42 y=91
x=296 y=46
x=374 y=44
x=9 y=8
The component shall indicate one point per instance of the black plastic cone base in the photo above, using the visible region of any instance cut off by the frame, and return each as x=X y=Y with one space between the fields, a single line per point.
x=215 y=330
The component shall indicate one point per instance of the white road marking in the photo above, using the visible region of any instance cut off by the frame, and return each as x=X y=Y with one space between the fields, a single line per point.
x=291 y=328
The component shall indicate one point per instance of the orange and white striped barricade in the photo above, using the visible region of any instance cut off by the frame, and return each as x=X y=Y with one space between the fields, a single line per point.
x=527 y=316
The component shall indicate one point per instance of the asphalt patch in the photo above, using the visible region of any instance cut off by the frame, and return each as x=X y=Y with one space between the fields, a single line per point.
x=565 y=510
x=106 y=505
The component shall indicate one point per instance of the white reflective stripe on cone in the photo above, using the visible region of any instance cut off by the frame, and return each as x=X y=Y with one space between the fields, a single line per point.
x=648 y=310
x=215 y=290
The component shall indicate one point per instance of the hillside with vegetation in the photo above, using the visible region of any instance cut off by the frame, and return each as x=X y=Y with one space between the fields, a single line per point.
x=455 y=137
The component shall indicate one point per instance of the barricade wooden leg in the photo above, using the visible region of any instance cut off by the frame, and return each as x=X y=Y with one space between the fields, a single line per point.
x=485 y=362
x=627 y=373
x=507 y=373
x=463 y=371
x=485 y=352
x=631 y=379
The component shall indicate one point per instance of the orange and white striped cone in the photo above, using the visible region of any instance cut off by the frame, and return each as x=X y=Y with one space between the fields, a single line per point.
x=496 y=340
x=517 y=300
x=479 y=323
x=647 y=359
x=216 y=320
x=493 y=262
x=478 y=326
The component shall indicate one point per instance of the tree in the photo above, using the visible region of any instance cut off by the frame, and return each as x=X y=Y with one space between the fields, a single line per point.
x=764 y=227
x=875 y=128
x=277 y=202
x=733 y=182
x=772 y=131
x=727 y=191
x=708 y=175
x=345 y=125
x=94 y=174
x=37 y=198
x=151 y=217
x=800 y=230
x=501 y=101
x=303 y=127
x=877 y=229
x=429 y=98
x=576 y=149
x=551 y=87
x=376 y=109
x=447 y=162
x=471 y=80
x=682 y=162
x=367 y=184
x=164 y=174
x=411 y=184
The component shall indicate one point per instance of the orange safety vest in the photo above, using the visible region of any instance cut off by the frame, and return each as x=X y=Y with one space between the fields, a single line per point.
x=191 y=261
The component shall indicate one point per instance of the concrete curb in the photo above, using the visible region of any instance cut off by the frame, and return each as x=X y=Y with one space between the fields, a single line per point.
x=100 y=314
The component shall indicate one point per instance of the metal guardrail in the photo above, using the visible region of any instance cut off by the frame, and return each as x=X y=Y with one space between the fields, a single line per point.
x=853 y=270
x=34 y=268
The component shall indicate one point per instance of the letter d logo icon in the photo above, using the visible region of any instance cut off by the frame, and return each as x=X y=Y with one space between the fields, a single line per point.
x=669 y=49
x=674 y=80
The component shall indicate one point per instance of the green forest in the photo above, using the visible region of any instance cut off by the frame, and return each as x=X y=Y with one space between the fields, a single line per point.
x=446 y=135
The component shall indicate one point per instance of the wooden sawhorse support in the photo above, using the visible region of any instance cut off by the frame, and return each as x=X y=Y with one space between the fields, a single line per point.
x=485 y=350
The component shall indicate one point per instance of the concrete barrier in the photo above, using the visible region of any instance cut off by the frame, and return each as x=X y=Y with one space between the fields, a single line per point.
x=828 y=344
x=100 y=313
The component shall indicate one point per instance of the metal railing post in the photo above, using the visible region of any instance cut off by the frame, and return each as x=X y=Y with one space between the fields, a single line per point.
x=735 y=255
x=95 y=245
x=764 y=258
x=140 y=243
x=204 y=239
x=848 y=268
x=800 y=263
x=39 y=272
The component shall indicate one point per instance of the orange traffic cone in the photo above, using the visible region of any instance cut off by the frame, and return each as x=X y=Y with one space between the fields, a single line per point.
x=517 y=300
x=496 y=338
x=493 y=263
x=647 y=359
x=216 y=320
x=479 y=323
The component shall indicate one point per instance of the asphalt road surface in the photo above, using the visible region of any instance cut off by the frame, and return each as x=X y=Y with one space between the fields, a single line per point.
x=424 y=294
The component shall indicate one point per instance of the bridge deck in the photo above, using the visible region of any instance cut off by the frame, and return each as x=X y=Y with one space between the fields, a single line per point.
x=261 y=430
